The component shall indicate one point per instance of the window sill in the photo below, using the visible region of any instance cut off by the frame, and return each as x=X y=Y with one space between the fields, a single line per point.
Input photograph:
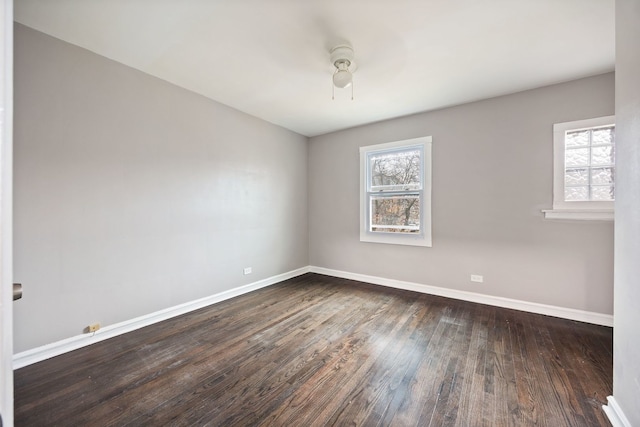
x=395 y=239
x=581 y=215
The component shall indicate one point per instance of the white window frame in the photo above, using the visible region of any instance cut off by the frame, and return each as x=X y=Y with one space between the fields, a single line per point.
x=581 y=210
x=412 y=239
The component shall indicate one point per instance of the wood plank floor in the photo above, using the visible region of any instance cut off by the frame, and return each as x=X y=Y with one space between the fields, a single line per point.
x=317 y=351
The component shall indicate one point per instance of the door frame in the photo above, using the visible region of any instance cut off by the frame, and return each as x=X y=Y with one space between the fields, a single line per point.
x=6 y=197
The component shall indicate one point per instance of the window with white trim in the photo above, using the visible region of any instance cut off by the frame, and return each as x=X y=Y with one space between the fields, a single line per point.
x=584 y=169
x=395 y=192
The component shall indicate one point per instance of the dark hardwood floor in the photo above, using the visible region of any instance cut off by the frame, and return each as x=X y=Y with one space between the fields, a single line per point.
x=316 y=351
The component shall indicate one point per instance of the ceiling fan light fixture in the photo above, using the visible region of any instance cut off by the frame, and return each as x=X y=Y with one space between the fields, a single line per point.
x=342 y=60
x=342 y=78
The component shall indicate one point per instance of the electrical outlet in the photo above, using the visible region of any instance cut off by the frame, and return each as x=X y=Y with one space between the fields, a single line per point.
x=93 y=327
x=477 y=278
x=247 y=270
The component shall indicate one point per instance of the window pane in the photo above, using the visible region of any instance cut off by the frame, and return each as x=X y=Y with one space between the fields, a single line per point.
x=577 y=157
x=602 y=176
x=576 y=194
x=574 y=139
x=397 y=214
x=576 y=176
x=399 y=170
x=589 y=162
x=603 y=136
x=602 y=155
x=602 y=192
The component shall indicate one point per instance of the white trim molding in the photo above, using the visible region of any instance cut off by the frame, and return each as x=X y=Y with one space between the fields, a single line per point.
x=532 y=307
x=593 y=214
x=615 y=414
x=48 y=351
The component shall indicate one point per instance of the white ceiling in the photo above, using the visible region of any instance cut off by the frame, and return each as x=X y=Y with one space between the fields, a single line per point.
x=270 y=58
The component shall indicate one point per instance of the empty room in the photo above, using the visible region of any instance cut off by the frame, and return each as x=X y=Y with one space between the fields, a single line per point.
x=280 y=213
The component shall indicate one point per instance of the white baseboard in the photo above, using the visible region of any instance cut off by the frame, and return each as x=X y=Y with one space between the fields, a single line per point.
x=48 y=351
x=532 y=307
x=615 y=414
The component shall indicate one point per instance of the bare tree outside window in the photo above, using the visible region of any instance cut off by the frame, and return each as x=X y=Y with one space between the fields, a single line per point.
x=395 y=184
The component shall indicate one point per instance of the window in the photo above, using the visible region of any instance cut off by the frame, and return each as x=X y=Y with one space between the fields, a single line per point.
x=584 y=169
x=395 y=192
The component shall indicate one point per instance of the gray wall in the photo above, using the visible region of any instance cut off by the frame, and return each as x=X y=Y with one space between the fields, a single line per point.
x=626 y=331
x=492 y=174
x=133 y=195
